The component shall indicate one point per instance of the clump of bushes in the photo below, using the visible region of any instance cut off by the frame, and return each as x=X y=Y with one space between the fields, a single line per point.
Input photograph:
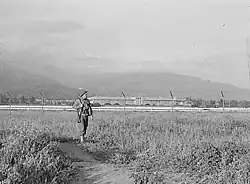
x=207 y=163
x=193 y=148
x=34 y=159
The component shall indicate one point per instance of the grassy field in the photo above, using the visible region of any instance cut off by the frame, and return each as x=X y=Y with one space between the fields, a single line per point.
x=157 y=147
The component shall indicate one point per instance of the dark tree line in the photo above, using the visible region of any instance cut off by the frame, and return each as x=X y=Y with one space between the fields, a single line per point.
x=24 y=100
x=219 y=103
x=6 y=99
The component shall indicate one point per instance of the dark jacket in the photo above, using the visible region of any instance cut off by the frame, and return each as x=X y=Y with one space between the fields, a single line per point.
x=83 y=107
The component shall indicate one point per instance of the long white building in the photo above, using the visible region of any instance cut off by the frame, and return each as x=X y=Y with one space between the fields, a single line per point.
x=152 y=101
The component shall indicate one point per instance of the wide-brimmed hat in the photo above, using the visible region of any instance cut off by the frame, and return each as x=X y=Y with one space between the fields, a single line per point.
x=83 y=93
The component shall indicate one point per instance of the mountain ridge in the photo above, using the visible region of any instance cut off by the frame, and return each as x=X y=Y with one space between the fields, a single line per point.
x=60 y=83
x=17 y=81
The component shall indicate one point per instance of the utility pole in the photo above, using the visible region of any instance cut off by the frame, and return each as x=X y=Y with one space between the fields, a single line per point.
x=42 y=93
x=28 y=103
x=172 y=96
x=42 y=99
x=10 y=103
x=124 y=107
x=223 y=101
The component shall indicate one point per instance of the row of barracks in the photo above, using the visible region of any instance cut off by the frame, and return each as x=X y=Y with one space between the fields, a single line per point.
x=150 y=101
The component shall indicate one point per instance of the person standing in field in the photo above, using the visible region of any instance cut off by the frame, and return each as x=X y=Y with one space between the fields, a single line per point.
x=84 y=110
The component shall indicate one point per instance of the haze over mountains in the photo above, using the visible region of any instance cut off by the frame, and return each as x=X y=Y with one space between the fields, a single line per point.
x=135 y=46
x=28 y=79
x=21 y=82
x=27 y=71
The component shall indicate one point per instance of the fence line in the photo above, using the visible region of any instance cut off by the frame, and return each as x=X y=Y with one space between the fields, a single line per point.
x=127 y=108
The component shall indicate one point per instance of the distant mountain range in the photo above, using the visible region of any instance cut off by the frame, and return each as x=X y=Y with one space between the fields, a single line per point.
x=20 y=80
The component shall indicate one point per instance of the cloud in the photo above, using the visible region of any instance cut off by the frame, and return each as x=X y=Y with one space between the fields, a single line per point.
x=52 y=27
x=87 y=60
x=29 y=33
x=131 y=31
x=41 y=28
x=95 y=61
x=91 y=56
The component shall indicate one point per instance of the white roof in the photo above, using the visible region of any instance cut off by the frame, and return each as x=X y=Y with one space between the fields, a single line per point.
x=131 y=98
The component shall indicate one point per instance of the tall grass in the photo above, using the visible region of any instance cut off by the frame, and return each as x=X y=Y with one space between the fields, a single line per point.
x=191 y=148
x=30 y=153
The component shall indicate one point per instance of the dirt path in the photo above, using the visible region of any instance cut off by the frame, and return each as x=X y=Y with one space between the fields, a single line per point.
x=93 y=171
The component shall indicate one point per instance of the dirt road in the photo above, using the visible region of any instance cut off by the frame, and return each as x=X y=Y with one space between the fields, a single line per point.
x=93 y=171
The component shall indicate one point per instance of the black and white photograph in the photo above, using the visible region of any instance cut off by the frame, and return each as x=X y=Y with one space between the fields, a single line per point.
x=124 y=92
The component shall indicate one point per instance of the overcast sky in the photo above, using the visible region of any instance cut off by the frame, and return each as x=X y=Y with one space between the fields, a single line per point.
x=204 y=38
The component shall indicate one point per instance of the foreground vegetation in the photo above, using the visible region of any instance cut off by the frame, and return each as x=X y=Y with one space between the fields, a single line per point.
x=30 y=153
x=157 y=147
x=190 y=148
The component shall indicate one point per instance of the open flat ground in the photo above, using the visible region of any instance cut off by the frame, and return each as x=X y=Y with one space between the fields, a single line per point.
x=148 y=147
x=66 y=116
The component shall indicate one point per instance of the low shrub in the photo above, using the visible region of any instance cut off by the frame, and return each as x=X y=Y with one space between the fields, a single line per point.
x=34 y=159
